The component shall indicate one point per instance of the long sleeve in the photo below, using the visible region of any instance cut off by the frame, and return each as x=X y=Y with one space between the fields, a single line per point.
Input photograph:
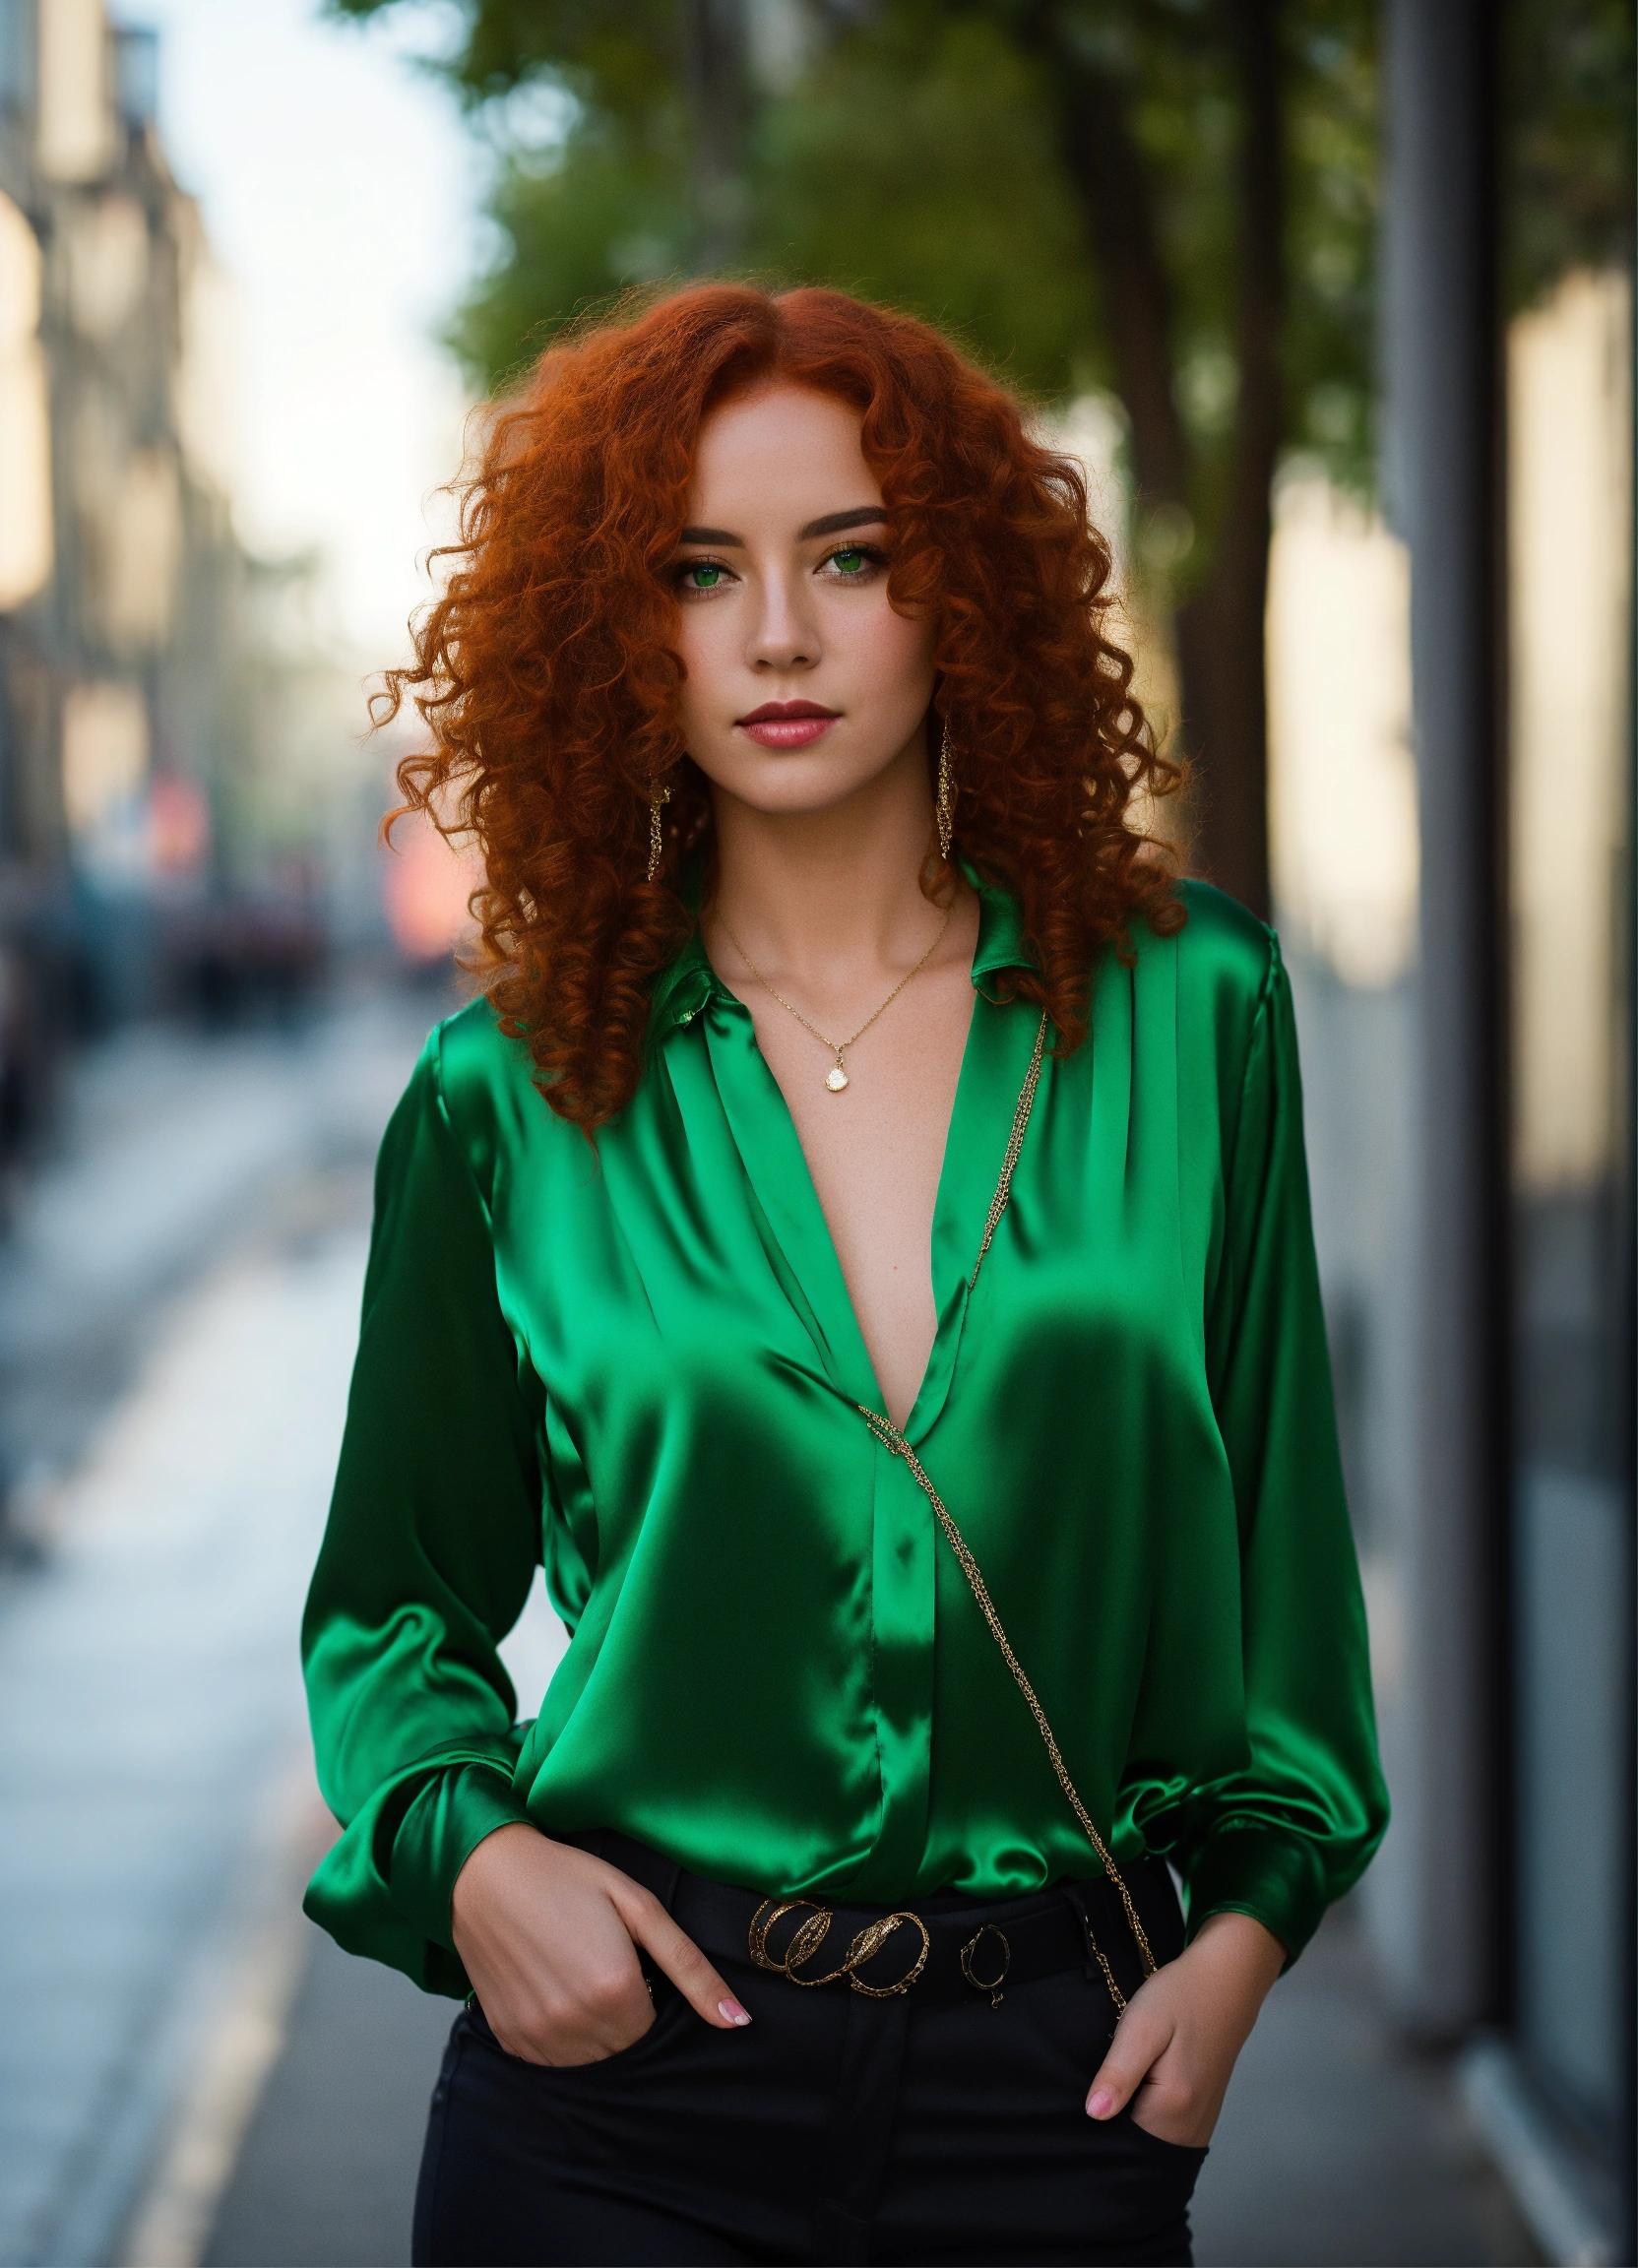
x=433 y=1537
x=1297 y=1828
x=643 y=1364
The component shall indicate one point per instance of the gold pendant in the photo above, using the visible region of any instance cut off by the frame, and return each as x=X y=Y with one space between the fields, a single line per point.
x=836 y=1079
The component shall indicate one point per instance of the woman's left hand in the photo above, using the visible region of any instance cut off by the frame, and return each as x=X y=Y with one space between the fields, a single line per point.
x=1175 y=2048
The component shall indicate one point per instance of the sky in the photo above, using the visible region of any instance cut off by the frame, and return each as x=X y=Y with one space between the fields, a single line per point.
x=340 y=190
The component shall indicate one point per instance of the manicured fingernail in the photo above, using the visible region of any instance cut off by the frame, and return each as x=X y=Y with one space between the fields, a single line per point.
x=732 y=2011
x=1099 y=2105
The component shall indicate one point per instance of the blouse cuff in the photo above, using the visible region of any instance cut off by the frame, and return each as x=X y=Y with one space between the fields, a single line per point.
x=1275 y=1876
x=451 y=1815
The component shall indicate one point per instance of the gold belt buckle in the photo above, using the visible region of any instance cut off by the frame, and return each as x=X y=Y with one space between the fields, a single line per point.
x=811 y=1934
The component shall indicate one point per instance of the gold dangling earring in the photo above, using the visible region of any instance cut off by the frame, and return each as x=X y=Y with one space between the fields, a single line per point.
x=659 y=796
x=946 y=796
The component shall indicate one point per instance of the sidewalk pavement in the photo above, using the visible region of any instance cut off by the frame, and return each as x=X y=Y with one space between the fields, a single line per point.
x=148 y=1673
x=170 y=1149
x=1341 y=2148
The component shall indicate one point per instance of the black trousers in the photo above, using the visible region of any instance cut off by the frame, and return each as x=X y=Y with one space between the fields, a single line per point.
x=835 y=2129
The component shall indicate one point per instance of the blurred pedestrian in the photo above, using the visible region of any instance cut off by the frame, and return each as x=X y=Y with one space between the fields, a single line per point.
x=861 y=1244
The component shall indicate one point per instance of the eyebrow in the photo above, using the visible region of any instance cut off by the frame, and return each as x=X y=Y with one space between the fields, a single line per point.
x=831 y=524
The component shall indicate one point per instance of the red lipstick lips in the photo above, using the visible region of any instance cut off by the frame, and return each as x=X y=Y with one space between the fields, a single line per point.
x=787 y=724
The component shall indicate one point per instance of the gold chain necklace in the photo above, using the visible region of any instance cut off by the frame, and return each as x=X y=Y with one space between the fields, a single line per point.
x=836 y=1078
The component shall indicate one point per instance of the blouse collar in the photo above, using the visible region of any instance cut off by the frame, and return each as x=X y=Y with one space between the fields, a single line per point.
x=690 y=983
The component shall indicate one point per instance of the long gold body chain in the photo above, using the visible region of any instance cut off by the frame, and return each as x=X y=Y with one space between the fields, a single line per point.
x=893 y=1440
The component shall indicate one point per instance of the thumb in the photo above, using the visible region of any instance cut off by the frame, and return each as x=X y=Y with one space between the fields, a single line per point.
x=1140 y=2037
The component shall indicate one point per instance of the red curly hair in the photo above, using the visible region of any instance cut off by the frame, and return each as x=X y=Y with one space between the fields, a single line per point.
x=548 y=674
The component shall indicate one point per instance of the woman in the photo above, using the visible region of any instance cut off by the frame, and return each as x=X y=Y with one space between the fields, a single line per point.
x=861 y=1244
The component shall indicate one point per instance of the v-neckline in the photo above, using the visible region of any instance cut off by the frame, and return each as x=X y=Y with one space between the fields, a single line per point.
x=778 y=1169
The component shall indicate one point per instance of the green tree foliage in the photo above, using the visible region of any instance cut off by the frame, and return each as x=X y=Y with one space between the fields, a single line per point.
x=608 y=207
x=917 y=159
x=915 y=166
x=1569 y=158
x=1172 y=198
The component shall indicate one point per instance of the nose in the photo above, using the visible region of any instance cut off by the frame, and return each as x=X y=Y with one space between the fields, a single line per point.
x=785 y=634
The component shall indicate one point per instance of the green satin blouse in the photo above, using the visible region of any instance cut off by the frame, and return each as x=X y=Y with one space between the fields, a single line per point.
x=640 y=1368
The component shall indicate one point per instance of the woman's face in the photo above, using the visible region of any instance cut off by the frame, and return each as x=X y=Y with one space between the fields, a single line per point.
x=803 y=684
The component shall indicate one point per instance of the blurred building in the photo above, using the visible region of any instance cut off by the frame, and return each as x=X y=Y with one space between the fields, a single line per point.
x=132 y=624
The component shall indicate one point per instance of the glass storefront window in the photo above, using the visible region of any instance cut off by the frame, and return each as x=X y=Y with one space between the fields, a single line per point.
x=1569 y=519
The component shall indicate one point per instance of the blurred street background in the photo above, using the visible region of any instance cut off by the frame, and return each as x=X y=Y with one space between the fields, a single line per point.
x=1335 y=300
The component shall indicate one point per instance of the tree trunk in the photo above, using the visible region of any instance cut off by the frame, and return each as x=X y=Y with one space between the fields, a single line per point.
x=1107 y=171
x=1219 y=627
x=717 y=79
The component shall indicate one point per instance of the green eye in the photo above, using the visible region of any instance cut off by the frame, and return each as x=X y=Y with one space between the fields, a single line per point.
x=849 y=562
x=704 y=577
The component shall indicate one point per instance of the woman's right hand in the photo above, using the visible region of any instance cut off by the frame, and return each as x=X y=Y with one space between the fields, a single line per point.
x=548 y=1935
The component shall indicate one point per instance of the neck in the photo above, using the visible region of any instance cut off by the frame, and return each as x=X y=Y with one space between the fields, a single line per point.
x=837 y=889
